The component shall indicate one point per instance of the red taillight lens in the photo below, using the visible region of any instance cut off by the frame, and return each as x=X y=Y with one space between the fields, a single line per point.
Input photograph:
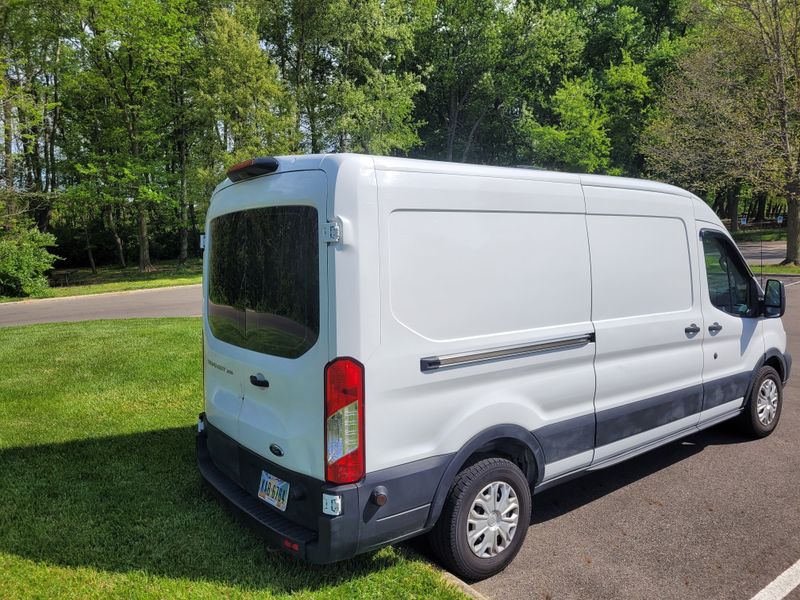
x=344 y=421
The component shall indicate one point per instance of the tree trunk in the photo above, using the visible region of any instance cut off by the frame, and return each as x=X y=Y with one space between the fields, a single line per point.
x=761 y=211
x=89 y=248
x=792 y=224
x=144 y=243
x=184 y=220
x=452 y=125
x=56 y=116
x=733 y=207
x=195 y=231
x=112 y=225
x=8 y=156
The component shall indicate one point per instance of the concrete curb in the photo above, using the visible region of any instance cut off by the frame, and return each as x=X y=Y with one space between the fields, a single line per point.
x=462 y=585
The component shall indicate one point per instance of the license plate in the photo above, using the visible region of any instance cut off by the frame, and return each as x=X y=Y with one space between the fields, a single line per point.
x=273 y=491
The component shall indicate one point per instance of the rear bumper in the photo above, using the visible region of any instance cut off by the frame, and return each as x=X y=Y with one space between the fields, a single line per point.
x=233 y=472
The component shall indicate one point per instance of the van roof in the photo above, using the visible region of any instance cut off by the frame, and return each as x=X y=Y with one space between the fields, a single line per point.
x=389 y=163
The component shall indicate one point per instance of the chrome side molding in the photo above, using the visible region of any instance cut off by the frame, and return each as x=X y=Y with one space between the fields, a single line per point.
x=465 y=359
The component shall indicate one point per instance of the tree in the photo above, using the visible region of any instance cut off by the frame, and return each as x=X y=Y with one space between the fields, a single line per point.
x=243 y=109
x=127 y=49
x=343 y=62
x=771 y=29
x=461 y=45
x=579 y=141
x=626 y=95
x=710 y=132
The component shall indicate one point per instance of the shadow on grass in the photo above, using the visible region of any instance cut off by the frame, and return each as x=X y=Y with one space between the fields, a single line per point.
x=136 y=503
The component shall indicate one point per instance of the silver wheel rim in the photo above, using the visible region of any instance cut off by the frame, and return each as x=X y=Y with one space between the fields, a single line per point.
x=492 y=520
x=767 y=402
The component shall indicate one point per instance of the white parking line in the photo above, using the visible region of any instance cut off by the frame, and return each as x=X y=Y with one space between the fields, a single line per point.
x=780 y=588
x=791 y=284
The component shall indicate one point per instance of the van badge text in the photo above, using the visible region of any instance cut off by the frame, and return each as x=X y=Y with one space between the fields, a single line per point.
x=220 y=367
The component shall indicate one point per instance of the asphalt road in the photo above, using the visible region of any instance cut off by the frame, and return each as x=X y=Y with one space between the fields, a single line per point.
x=713 y=516
x=773 y=252
x=182 y=301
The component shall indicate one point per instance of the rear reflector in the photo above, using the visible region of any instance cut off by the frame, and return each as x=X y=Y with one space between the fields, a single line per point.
x=344 y=421
x=252 y=168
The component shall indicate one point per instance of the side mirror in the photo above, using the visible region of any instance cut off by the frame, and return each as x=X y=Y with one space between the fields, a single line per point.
x=774 y=299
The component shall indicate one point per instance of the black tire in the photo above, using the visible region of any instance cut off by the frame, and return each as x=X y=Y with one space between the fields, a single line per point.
x=449 y=536
x=749 y=419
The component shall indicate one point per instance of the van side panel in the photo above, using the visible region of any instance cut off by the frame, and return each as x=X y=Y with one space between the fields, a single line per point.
x=645 y=296
x=470 y=265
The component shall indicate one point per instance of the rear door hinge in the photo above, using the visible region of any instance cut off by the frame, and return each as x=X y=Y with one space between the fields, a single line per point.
x=332 y=232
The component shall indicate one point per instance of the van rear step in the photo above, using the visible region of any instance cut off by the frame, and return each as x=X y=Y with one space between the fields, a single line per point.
x=276 y=528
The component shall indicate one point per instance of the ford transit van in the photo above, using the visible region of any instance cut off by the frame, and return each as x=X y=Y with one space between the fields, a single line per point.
x=395 y=347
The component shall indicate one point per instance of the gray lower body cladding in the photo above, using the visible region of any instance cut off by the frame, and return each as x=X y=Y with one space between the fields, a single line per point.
x=234 y=473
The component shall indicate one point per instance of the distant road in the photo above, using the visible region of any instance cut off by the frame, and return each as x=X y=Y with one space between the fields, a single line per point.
x=774 y=252
x=181 y=301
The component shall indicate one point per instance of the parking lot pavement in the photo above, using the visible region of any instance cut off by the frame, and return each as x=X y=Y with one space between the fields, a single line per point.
x=180 y=301
x=713 y=516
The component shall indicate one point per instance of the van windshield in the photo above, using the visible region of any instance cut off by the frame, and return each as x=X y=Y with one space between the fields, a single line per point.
x=263 y=287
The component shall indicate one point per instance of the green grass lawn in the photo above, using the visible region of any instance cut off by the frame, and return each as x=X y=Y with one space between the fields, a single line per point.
x=776 y=269
x=755 y=235
x=99 y=493
x=117 y=279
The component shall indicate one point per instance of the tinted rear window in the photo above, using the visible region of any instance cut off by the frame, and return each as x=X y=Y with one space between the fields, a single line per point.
x=263 y=288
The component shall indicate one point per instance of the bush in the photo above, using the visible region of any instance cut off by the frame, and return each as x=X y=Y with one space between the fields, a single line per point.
x=24 y=260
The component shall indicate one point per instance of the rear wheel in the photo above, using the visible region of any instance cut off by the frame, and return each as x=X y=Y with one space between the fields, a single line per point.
x=484 y=520
x=763 y=410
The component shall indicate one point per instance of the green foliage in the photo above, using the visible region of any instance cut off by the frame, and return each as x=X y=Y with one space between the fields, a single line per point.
x=626 y=97
x=126 y=113
x=579 y=141
x=24 y=259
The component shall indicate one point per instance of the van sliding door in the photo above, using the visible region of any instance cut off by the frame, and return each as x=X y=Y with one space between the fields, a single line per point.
x=647 y=315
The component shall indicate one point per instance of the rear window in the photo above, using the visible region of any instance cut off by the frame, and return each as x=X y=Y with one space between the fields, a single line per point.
x=263 y=287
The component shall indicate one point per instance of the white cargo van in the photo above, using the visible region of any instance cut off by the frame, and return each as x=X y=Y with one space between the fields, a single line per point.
x=394 y=347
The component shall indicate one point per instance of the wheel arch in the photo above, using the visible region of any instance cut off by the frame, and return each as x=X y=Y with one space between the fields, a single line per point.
x=776 y=359
x=508 y=441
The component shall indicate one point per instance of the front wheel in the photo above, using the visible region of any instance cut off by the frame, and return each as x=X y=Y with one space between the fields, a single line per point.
x=763 y=410
x=484 y=520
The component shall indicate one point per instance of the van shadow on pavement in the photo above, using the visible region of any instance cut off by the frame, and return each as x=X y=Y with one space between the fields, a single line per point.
x=135 y=503
x=561 y=499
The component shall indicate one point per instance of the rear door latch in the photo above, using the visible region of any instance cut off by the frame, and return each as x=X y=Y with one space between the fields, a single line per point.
x=332 y=232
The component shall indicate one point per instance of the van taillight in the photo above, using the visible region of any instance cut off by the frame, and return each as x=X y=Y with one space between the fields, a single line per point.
x=344 y=421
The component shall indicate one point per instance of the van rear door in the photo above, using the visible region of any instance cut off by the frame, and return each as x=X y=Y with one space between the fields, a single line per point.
x=267 y=315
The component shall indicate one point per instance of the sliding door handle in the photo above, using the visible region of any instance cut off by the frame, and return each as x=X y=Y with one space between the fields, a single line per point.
x=692 y=329
x=715 y=328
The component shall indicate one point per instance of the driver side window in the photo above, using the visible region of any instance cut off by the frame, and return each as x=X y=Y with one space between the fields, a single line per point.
x=728 y=277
